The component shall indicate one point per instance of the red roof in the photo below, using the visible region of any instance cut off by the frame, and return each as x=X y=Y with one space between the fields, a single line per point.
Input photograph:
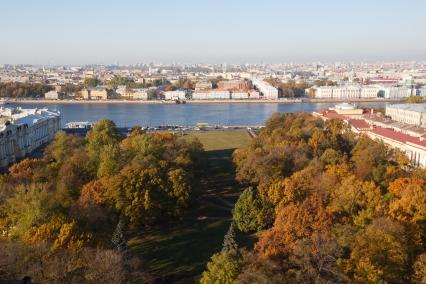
x=359 y=123
x=398 y=136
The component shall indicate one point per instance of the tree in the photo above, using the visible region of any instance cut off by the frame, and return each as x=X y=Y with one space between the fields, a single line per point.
x=29 y=207
x=229 y=243
x=223 y=268
x=118 y=239
x=103 y=133
x=414 y=99
x=380 y=253
x=92 y=82
x=419 y=268
x=293 y=223
x=109 y=160
x=248 y=213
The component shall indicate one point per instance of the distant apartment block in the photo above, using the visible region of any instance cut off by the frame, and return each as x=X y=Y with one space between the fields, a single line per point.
x=414 y=114
x=267 y=90
x=95 y=93
x=23 y=130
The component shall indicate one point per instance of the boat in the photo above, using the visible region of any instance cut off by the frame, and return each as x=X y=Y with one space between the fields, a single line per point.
x=79 y=125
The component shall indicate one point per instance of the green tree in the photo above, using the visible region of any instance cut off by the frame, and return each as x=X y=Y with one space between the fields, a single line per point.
x=223 y=268
x=248 y=213
x=91 y=82
x=109 y=160
x=30 y=206
x=103 y=133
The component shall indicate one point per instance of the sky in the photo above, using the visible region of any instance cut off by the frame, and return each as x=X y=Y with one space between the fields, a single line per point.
x=75 y=32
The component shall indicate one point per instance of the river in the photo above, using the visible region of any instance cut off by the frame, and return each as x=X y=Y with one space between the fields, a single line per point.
x=127 y=114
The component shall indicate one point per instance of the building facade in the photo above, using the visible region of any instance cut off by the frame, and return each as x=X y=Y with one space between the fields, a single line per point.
x=232 y=85
x=52 y=95
x=414 y=114
x=175 y=95
x=211 y=95
x=95 y=93
x=267 y=90
x=23 y=130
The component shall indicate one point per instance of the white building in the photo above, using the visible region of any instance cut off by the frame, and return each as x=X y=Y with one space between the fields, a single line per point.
x=122 y=91
x=175 y=95
x=211 y=95
x=414 y=114
x=267 y=90
x=23 y=130
x=139 y=94
x=355 y=92
x=52 y=95
x=239 y=95
x=392 y=92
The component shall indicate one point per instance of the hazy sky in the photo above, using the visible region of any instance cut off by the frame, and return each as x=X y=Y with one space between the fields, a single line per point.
x=211 y=31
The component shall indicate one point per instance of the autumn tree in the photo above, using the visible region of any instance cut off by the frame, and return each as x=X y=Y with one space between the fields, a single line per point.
x=380 y=253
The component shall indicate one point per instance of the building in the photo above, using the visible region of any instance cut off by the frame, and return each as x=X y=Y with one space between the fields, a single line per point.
x=122 y=91
x=238 y=85
x=203 y=85
x=254 y=95
x=393 y=92
x=23 y=130
x=175 y=95
x=266 y=90
x=239 y=95
x=211 y=95
x=413 y=147
x=95 y=93
x=414 y=114
x=52 y=95
x=139 y=94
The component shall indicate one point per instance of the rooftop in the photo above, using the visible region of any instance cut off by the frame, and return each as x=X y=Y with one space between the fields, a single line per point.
x=410 y=107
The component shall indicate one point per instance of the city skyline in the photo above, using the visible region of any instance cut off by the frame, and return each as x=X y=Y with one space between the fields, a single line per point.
x=108 y=32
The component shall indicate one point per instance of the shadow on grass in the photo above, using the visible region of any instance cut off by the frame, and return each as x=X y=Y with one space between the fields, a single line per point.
x=179 y=251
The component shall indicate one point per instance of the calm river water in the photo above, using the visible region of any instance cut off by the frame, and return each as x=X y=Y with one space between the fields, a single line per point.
x=128 y=114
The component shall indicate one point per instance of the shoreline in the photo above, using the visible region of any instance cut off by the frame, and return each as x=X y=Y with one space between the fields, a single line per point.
x=279 y=101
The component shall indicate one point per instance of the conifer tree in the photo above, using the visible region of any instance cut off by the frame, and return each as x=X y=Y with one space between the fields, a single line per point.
x=229 y=243
x=118 y=239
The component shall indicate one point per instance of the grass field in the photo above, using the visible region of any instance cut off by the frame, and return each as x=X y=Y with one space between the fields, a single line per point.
x=220 y=140
x=177 y=252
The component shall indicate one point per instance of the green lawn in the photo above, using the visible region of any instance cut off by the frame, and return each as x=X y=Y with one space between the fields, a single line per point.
x=178 y=251
x=220 y=140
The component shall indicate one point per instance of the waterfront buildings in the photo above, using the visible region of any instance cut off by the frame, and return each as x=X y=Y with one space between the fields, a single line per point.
x=237 y=85
x=363 y=92
x=24 y=130
x=203 y=85
x=175 y=95
x=95 y=93
x=139 y=94
x=211 y=95
x=52 y=95
x=400 y=134
x=267 y=90
x=414 y=114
